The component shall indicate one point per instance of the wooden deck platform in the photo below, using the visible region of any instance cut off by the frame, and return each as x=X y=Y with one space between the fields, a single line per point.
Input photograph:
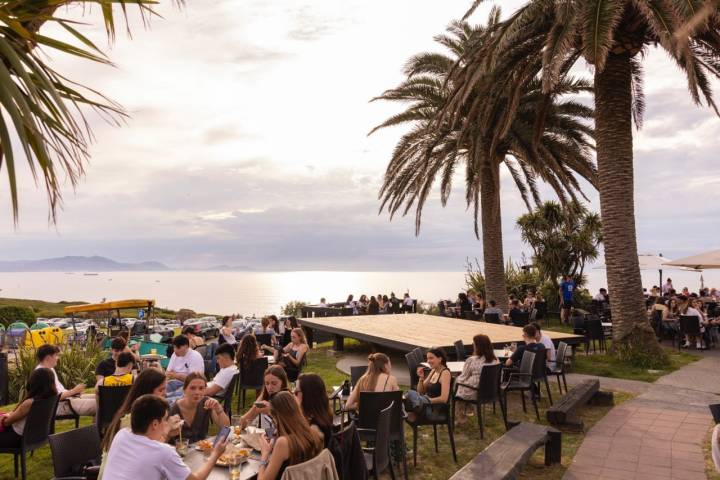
x=406 y=331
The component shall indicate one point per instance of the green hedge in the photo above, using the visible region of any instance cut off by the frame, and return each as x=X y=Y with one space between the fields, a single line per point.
x=9 y=315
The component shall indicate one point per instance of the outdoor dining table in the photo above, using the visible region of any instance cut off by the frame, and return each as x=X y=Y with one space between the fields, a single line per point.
x=196 y=459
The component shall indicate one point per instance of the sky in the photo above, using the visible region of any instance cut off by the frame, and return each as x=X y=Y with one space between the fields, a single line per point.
x=247 y=145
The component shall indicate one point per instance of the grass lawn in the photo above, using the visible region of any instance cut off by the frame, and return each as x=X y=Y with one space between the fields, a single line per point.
x=430 y=465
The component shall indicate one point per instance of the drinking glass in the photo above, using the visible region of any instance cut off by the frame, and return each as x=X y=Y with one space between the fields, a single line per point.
x=181 y=446
x=236 y=422
x=235 y=464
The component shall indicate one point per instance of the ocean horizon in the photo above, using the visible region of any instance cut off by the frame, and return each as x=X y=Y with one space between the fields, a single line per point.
x=259 y=293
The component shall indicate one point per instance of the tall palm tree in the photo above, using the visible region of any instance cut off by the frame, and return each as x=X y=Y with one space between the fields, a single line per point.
x=612 y=36
x=43 y=112
x=430 y=152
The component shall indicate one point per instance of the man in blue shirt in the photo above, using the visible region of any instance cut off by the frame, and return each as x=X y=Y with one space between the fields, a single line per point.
x=567 y=290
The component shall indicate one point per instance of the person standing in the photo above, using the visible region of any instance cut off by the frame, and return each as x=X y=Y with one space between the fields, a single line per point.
x=567 y=292
x=668 y=287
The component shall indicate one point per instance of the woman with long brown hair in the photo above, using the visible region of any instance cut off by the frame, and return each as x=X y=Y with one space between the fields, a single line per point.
x=275 y=381
x=483 y=354
x=311 y=395
x=296 y=441
x=248 y=352
x=377 y=378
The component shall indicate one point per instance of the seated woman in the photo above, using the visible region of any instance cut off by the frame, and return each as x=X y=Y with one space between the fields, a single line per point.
x=226 y=332
x=276 y=381
x=296 y=441
x=483 y=354
x=290 y=323
x=40 y=385
x=123 y=375
x=432 y=388
x=264 y=328
x=197 y=409
x=377 y=378
x=291 y=356
x=195 y=340
x=311 y=395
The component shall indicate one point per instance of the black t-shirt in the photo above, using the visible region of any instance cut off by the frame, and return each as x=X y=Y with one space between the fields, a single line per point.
x=106 y=367
x=537 y=348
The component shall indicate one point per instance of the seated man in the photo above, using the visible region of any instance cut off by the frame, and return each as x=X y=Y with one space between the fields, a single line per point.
x=183 y=361
x=225 y=355
x=107 y=366
x=72 y=401
x=123 y=375
x=530 y=336
x=493 y=309
x=516 y=314
x=150 y=426
x=548 y=343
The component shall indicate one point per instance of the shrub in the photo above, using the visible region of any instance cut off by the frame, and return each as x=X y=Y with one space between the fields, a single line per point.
x=10 y=315
x=25 y=361
x=293 y=308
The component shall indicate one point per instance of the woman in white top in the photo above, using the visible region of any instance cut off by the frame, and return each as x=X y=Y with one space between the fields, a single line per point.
x=377 y=378
x=687 y=309
x=226 y=332
x=483 y=354
x=40 y=385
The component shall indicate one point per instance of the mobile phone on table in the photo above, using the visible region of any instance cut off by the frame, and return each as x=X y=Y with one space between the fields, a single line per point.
x=222 y=435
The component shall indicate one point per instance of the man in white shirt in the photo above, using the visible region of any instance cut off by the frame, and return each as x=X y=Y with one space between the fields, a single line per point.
x=668 y=287
x=601 y=296
x=408 y=303
x=183 y=361
x=225 y=355
x=323 y=303
x=72 y=401
x=146 y=441
x=549 y=345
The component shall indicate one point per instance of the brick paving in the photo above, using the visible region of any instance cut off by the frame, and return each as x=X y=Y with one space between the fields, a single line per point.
x=657 y=435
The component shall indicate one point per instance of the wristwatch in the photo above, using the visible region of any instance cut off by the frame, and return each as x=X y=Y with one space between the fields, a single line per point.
x=263 y=462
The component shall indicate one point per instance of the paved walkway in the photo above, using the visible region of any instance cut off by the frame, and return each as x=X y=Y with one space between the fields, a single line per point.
x=657 y=435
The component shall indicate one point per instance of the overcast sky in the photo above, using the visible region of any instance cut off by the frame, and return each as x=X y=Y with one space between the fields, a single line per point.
x=247 y=146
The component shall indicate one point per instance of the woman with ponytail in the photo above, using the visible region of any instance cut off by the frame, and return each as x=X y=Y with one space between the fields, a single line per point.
x=377 y=378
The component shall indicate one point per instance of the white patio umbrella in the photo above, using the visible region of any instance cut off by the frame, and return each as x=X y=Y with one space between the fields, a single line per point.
x=701 y=261
x=650 y=261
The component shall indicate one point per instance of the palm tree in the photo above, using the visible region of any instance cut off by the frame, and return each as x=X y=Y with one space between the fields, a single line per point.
x=612 y=36
x=429 y=152
x=43 y=112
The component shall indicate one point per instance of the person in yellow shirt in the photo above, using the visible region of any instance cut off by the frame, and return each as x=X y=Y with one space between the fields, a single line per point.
x=123 y=375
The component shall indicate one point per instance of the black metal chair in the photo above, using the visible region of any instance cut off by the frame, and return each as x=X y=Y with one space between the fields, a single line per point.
x=371 y=404
x=39 y=424
x=689 y=326
x=110 y=399
x=264 y=339
x=377 y=458
x=252 y=379
x=226 y=398
x=486 y=391
x=460 y=351
x=522 y=381
x=656 y=322
x=559 y=368
x=594 y=333
x=73 y=450
x=357 y=371
x=519 y=319
x=441 y=416
x=412 y=364
x=541 y=308
x=492 y=318
x=540 y=374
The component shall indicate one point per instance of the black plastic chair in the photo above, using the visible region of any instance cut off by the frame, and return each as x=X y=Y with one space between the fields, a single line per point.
x=540 y=373
x=594 y=333
x=73 y=450
x=522 y=381
x=559 y=368
x=656 y=322
x=420 y=354
x=487 y=391
x=371 y=404
x=347 y=464
x=412 y=368
x=226 y=398
x=68 y=416
x=690 y=326
x=492 y=318
x=460 y=351
x=110 y=399
x=264 y=339
x=252 y=379
x=441 y=416
x=541 y=308
x=39 y=424
x=356 y=372
x=377 y=458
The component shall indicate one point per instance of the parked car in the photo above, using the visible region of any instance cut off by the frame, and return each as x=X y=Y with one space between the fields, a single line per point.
x=167 y=331
x=203 y=328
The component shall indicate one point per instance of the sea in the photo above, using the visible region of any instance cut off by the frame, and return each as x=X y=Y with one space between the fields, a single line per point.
x=259 y=293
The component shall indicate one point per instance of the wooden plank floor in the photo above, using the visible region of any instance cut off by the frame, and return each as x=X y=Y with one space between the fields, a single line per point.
x=407 y=331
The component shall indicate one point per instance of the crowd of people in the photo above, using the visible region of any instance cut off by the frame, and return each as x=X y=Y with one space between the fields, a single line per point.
x=375 y=304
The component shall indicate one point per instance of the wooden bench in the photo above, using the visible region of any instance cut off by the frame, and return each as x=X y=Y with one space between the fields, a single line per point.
x=505 y=457
x=564 y=411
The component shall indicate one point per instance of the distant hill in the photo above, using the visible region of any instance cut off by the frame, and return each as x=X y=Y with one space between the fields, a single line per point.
x=228 y=268
x=78 y=264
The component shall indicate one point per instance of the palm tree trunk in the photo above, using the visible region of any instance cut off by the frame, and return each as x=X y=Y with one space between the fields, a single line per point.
x=493 y=259
x=632 y=334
